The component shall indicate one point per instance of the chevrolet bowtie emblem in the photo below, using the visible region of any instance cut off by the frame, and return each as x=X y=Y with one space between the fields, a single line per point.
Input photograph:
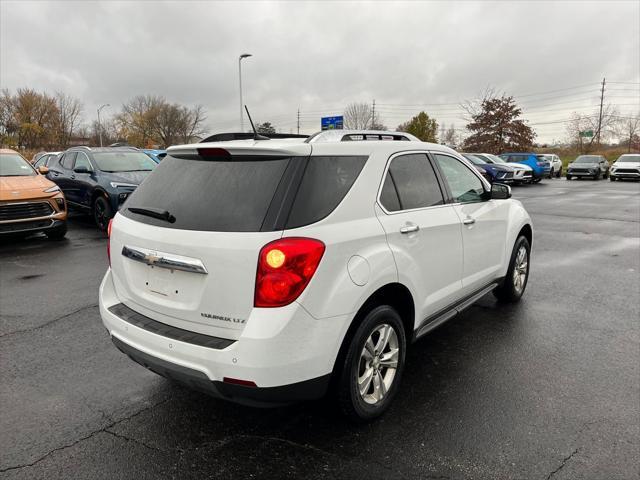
x=151 y=259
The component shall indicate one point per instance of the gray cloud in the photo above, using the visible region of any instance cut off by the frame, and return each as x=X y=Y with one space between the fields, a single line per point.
x=318 y=56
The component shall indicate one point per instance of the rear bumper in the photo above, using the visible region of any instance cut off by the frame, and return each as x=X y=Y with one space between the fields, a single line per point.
x=251 y=396
x=285 y=352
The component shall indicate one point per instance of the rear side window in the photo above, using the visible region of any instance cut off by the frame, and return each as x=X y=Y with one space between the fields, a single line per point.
x=410 y=183
x=67 y=160
x=230 y=195
x=325 y=183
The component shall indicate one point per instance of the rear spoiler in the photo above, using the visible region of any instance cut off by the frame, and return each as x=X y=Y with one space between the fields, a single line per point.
x=230 y=136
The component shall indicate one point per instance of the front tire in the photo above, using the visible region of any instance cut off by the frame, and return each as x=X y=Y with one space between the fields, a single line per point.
x=515 y=281
x=568 y=177
x=612 y=179
x=102 y=213
x=373 y=365
x=559 y=174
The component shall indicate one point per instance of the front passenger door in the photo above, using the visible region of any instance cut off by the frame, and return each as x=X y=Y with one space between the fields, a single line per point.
x=484 y=223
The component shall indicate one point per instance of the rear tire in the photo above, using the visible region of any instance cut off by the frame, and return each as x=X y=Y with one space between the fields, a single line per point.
x=372 y=369
x=559 y=174
x=568 y=177
x=611 y=179
x=102 y=213
x=515 y=282
x=57 y=233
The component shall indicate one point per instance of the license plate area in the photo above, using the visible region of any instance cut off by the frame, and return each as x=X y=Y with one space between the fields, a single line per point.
x=161 y=281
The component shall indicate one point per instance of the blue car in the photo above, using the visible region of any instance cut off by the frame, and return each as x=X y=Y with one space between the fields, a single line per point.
x=156 y=155
x=541 y=168
x=99 y=180
x=494 y=172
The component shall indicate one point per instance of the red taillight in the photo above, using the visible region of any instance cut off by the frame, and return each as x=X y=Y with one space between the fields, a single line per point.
x=285 y=267
x=109 y=241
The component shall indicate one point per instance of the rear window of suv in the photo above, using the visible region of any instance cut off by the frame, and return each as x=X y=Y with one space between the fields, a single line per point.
x=244 y=193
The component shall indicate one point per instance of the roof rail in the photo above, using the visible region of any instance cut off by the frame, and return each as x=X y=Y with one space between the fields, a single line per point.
x=229 y=136
x=360 y=135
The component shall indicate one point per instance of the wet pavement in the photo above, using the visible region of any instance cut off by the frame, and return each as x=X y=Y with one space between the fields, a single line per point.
x=548 y=388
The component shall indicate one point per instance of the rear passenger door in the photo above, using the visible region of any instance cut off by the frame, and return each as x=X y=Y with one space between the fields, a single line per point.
x=61 y=173
x=424 y=233
x=83 y=182
x=484 y=223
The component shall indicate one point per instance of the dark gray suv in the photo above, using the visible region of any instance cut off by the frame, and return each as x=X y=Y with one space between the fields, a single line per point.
x=590 y=166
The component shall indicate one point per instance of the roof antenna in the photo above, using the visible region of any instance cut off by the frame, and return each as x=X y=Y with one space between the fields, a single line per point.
x=256 y=135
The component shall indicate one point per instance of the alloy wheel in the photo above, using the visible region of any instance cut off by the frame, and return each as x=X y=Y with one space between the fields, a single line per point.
x=378 y=364
x=520 y=269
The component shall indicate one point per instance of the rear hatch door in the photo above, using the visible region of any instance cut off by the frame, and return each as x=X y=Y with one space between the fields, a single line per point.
x=184 y=248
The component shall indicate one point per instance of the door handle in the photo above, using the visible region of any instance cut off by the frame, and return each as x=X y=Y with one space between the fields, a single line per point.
x=469 y=221
x=73 y=177
x=409 y=229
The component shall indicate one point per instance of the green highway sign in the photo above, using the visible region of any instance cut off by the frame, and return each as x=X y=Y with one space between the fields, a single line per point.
x=586 y=133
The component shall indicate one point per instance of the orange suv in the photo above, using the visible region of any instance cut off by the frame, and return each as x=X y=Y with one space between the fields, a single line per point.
x=29 y=202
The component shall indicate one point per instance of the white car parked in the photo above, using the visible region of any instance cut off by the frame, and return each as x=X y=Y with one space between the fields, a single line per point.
x=626 y=166
x=266 y=272
x=556 y=164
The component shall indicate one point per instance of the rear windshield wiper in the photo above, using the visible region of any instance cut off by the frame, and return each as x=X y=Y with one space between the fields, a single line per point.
x=154 y=213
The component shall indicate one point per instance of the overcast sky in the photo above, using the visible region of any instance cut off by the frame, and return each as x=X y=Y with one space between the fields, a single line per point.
x=319 y=56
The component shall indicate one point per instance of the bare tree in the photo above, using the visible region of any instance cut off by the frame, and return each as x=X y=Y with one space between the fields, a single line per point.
x=68 y=118
x=628 y=130
x=582 y=124
x=474 y=106
x=136 y=121
x=194 y=125
x=357 y=116
x=449 y=136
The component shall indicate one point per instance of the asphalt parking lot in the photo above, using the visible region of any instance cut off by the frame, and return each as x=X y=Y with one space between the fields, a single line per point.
x=548 y=388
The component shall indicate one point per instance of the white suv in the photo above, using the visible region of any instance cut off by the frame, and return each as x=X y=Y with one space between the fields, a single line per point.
x=266 y=272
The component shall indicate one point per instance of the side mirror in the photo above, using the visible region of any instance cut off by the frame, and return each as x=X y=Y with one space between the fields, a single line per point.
x=81 y=169
x=42 y=170
x=500 y=191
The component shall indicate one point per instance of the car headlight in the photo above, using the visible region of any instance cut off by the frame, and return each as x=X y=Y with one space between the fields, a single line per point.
x=55 y=188
x=120 y=184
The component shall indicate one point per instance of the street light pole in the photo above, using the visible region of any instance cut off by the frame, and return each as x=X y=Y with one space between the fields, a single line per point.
x=244 y=55
x=100 y=124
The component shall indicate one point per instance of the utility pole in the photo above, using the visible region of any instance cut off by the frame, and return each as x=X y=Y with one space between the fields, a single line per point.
x=600 y=115
x=373 y=114
x=298 y=120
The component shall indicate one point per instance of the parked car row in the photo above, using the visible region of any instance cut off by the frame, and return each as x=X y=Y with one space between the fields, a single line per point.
x=518 y=168
x=35 y=198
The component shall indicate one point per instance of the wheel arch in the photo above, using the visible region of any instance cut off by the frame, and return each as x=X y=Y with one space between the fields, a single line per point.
x=527 y=232
x=395 y=295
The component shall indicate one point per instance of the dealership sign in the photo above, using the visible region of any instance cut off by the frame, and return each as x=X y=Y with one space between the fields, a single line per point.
x=332 y=123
